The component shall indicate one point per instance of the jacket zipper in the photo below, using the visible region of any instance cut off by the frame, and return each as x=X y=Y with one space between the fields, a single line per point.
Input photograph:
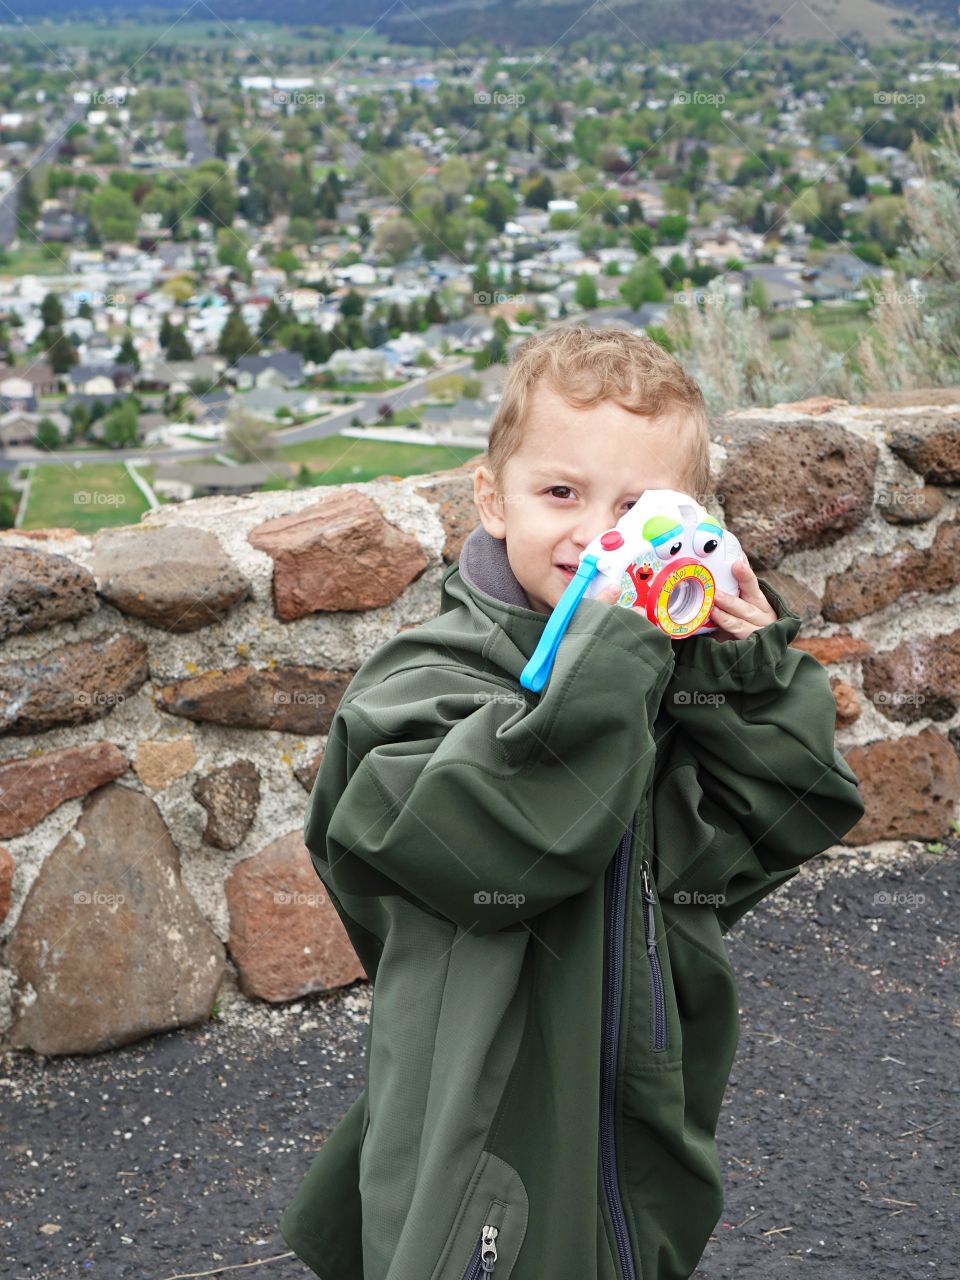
x=484 y=1256
x=658 y=1032
x=614 y=907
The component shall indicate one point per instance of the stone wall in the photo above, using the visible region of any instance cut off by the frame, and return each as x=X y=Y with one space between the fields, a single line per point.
x=165 y=690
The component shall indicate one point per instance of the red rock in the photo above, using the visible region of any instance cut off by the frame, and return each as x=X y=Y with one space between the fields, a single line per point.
x=848 y=704
x=339 y=554
x=72 y=684
x=298 y=699
x=839 y=647
x=33 y=786
x=789 y=487
x=7 y=868
x=873 y=583
x=286 y=937
x=930 y=444
x=910 y=788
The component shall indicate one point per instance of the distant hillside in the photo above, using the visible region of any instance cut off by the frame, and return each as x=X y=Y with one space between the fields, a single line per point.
x=523 y=23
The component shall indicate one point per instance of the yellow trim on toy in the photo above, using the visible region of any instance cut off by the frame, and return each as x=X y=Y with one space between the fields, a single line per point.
x=661 y=591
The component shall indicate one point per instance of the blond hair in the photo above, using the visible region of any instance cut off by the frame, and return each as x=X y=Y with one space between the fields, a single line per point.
x=586 y=366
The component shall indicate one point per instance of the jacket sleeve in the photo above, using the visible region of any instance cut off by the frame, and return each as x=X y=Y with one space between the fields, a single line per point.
x=484 y=802
x=750 y=783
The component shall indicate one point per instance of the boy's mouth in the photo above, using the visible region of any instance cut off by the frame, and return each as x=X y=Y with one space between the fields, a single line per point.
x=568 y=569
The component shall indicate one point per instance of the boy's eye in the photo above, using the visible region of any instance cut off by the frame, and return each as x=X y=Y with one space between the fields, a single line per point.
x=566 y=489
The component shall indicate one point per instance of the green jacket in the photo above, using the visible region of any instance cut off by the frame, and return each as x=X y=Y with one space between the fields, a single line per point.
x=537 y=885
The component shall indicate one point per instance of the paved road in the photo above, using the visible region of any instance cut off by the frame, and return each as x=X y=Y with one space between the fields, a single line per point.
x=9 y=229
x=195 y=131
x=366 y=410
x=840 y=1134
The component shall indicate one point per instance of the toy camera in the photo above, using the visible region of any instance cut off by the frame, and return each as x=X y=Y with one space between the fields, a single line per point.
x=667 y=555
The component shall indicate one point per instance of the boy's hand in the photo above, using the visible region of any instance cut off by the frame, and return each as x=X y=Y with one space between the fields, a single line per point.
x=737 y=617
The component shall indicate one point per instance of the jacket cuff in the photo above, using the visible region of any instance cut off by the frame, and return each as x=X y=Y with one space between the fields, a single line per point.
x=746 y=665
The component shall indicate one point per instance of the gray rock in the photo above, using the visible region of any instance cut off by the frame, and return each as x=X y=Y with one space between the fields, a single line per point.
x=109 y=946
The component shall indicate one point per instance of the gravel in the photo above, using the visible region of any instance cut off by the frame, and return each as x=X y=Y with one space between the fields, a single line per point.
x=840 y=1133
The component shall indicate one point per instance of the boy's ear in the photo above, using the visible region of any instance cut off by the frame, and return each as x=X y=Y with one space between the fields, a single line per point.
x=488 y=502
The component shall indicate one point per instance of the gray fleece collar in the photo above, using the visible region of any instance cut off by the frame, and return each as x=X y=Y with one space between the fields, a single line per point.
x=485 y=566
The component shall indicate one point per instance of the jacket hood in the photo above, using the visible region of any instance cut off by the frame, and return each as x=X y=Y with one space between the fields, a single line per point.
x=484 y=583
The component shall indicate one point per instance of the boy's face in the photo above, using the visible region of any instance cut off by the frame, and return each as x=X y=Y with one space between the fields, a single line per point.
x=575 y=474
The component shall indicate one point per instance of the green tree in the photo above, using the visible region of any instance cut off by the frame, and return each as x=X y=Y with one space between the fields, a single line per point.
x=51 y=311
x=47 y=435
x=128 y=353
x=178 y=346
x=113 y=214
x=236 y=340
x=60 y=352
x=351 y=304
x=585 y=294
x=119 y=429
x=643 y=284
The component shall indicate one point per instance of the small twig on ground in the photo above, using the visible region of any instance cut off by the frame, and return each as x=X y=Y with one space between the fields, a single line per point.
x=233 y=1266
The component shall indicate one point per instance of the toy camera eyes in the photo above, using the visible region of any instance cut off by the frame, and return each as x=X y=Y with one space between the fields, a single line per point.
x=704 y=543
x=668 y=552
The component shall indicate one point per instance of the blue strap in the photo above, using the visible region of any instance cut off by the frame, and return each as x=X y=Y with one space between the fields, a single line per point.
x=534 y=674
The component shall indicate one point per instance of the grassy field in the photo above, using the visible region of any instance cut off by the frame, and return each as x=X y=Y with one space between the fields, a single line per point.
x=839 y=327
x=339 y=459
x=99 y=495
x=92 y=496
x=33 y=260
x=205 y=30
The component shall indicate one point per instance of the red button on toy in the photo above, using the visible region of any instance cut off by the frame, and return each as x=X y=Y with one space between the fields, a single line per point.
x=611 y=540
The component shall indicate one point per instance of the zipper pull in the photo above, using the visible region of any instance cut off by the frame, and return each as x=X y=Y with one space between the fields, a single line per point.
x=488 y=1248
x=650 y=918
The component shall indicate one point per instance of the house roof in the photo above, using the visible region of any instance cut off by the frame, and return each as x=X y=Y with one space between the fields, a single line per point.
x=289 y=363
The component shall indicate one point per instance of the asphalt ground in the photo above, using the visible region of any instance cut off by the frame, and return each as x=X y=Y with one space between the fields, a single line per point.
x=839 y=1136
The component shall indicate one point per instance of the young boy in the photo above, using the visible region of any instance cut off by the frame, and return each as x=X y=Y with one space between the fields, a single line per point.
x=538 y=884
